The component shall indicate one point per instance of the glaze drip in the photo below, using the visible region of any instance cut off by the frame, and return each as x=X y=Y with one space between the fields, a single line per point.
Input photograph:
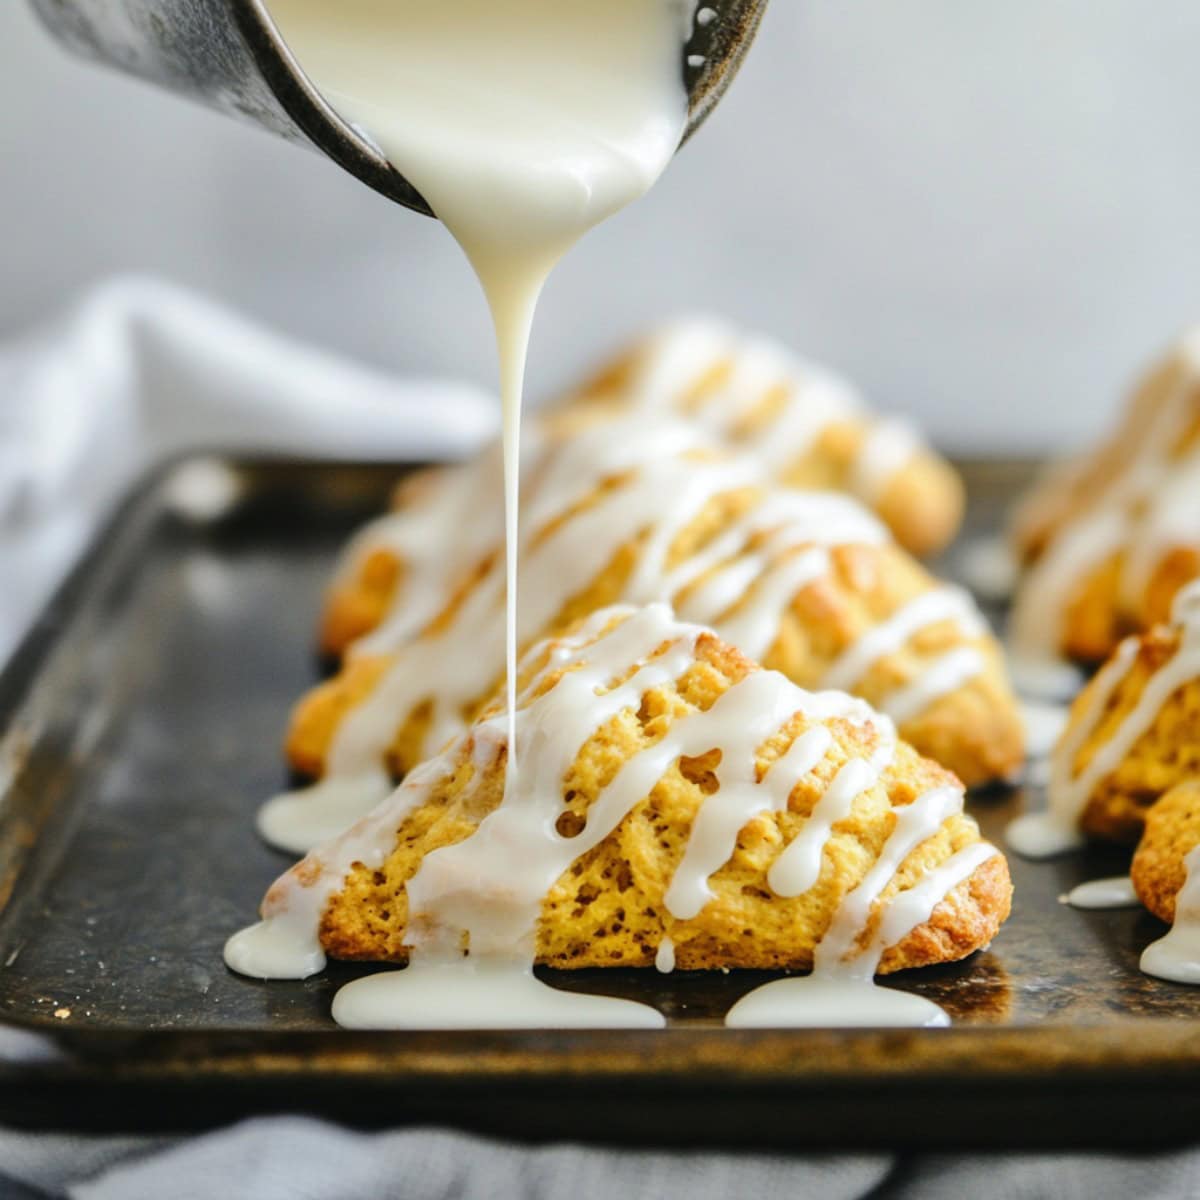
x=1176 y=957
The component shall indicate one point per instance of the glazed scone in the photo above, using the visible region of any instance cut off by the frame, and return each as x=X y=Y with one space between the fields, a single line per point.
x=668 y=789
x=808 y=583
x=1134 y=731
x=809 y=427
x=1172 y=832
x=1110 y=538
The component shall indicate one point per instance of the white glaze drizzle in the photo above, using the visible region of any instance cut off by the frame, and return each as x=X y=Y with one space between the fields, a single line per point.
x=755 y=625
x=297 y=821
x=746 y=715
x=988 y=567
x=840 y=990
x=443 y=533
x=486 y=891
x=939 y=678
x=1069 y=791
x=285 y=943
x=799 y=865
x=915 y=823
x=944 y=675
x=664 y=958
x=436 y=535
x=1045 y=834
x=1044 y=725
x=946 y=603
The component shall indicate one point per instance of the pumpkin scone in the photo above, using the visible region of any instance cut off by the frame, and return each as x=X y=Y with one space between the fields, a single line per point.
x=670 y=793
x=805 y=582
x=1133 y=732
x=1109 y=539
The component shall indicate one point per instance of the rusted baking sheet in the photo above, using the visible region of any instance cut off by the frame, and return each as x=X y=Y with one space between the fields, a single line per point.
x=139 y=729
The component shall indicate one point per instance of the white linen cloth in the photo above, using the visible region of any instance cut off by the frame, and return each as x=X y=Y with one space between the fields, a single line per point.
x=140 y=370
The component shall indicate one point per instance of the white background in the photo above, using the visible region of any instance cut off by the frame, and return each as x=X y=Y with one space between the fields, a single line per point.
x=986 y=213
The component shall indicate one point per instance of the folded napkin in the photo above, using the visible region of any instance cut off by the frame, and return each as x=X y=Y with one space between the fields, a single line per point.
x=140 y=370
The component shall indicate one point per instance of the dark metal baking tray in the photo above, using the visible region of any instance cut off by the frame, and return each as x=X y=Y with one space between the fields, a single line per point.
x=139 y=728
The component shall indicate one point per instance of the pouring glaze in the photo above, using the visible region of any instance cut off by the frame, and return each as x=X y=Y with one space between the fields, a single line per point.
x=229 y=55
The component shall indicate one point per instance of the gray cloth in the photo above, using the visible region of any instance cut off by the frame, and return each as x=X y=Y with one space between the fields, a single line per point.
x=295 y=1158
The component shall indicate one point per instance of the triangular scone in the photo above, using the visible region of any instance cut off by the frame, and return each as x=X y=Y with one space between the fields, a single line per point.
x=808 y=426
x=1109 y=538
x=1134 y=731
x=667 y=789
x=806 y=582
x=1172 y=832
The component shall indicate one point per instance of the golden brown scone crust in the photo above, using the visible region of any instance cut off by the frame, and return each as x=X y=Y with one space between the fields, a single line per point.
x=1172 y=833
x=1167 y=754
x=975 y=730
x=607 y=909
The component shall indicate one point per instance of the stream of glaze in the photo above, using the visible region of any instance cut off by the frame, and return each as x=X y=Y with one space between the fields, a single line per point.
x=523 y=125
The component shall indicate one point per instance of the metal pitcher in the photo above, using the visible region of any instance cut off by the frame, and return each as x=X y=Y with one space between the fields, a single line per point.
x=228 y=54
